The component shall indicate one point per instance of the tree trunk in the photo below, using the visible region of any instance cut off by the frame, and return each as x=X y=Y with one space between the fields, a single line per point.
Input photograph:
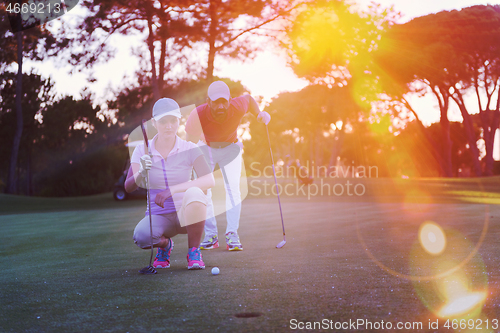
x=154 y=77
x=445 y=131
x=163 y=33
x=337 y=145
x=432 y=144
x=494 y=127
x=443 y=98
x=29 y=178
x=311 y=148
x=469 y=131
x=319 y=160
x=212 y=33
x=490 y=121
x=12 y=187
x=161 y=74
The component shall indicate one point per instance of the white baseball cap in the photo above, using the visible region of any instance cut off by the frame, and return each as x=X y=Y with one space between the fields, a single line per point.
x=218 y=89
x=166 y=107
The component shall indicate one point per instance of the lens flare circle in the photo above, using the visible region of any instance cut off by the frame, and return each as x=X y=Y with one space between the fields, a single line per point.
x=427 y=277
x=432 y=238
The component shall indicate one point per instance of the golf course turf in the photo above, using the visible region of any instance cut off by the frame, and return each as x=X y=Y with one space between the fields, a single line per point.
x=70 y=265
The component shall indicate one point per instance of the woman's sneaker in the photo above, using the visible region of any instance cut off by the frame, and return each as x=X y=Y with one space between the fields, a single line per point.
x=194 y=259
x=209 y=243
x=163 y=256
x=233 y=242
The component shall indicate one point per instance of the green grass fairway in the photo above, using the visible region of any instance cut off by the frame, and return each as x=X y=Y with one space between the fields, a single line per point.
x=70 y=265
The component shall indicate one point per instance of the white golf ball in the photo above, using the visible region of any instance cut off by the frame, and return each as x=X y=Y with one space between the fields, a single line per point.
x=215 y=270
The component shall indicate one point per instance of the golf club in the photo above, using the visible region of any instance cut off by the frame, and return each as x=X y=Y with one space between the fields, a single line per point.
x=283 y=242
x=149 y=269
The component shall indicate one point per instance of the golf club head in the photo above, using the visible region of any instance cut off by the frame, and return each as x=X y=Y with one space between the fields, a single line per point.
x=148 y=270
x=281 y=244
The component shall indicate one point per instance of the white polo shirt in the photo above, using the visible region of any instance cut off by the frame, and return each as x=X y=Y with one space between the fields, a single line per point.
x=173 y=170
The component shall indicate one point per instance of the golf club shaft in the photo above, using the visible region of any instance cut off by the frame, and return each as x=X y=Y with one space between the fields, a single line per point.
x=275 y=181
x=148 y=189
x=150 y=218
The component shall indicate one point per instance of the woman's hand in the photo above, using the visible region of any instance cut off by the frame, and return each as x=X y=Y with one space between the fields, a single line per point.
x=146 y=164
x=162 y=196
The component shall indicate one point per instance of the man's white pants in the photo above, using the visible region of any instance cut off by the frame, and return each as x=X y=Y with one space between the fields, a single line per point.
x=229 y=160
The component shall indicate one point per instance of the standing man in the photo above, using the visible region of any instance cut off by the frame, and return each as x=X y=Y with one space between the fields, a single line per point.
x=214 y=126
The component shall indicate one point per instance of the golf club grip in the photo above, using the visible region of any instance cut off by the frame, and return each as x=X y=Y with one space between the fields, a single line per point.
x=275 y=180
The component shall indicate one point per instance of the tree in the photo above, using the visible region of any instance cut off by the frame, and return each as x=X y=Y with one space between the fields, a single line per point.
x=310 y=124
x=37 y=93
x=68 y=147
x=176 y=32
x=406 y=55
x=450 y=53
x=166 y=23
x=22 y=35
x=221 y=21
x=330 y=43
x=11 y=188
x=479 y=54
x=78 y=151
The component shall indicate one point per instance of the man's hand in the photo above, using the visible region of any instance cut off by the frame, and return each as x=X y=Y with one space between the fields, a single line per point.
x=146 y=164
x=264 y=117
x=162 y=197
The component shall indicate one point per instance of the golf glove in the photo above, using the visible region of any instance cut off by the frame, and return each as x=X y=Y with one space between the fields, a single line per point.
x=264 y=117
x=146 y=164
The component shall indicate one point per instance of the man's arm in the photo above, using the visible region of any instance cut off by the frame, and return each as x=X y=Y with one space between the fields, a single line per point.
x=253 y=108
x=192 y=138
x=193 y=127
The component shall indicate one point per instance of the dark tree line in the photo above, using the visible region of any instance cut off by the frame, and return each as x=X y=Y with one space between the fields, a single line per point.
x=67 y=148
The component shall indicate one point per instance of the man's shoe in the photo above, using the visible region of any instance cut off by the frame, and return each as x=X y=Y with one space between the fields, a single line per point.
x=233 y=242
x=209 y=243
x=194 y=259
x=163 y=256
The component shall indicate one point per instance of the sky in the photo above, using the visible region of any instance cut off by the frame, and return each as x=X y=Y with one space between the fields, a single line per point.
x=267 y=75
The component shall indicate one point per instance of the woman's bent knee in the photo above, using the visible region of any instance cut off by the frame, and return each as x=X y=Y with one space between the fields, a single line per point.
x=195 y=194
x=142 y=238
